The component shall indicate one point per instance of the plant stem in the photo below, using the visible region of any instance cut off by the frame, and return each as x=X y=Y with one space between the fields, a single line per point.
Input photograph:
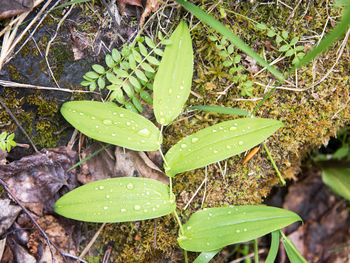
x=256 y=252
x=181 y=230
x=274 y=164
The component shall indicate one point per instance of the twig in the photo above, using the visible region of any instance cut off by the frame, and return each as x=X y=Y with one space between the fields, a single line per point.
x=92 y=241
x=11 y=84
x=193 y=196
x=4 y=185
x=205 y=185
x=260 y=251
x=52 y=39
x=18 y=124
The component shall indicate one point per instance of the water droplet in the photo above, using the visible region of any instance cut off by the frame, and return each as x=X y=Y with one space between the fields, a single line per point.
x=171 y=201
x=214 y=130
x=157 y=206
x=81 y=113
x=183 y=145
x=233 y=128
x=137 y=207
x=208 y=244
x=74 y=111
x=143 y=141
x=121 y=115
x=148 y=203
x=235 y=124
x=170 y=91
x=240 y=142
x=162 y=120
x=144 y=132
x=153 y=209
x=210 y=214
x=123 y=210
x=130 y=186
x=96 y=126
x=228 y=146
x=182 y=87
x=188 y=228
x=245 y=230
x=229 y=212
x=93 y=118
x=147 y=193
x=129 y=138
x=145 y=210
x=113 y=134
x=194 y=140
x=107 y=122
x=114 y=113
x=178 y=96
x=161 y=113
x=107 y=196
x=101 y=187
x=105 y=207
x=128 y=123
x=215 y=151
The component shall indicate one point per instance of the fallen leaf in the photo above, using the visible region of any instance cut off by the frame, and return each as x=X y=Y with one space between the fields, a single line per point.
x=151 y=6
x=10 y=8
x=122 y=4
x=35 y=179
x=8 y=215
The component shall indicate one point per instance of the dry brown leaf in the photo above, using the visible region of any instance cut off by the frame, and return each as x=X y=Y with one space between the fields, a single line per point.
x=35 y=179
x=122 y=4
x=8 y=214
x=151 y=6
x=9 y=8
x=134 y=164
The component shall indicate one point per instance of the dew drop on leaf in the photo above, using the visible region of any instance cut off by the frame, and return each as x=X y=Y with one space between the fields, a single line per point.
x=233 y=128
x=122 y=210
x=130 y=186
x=240 y=143
x=144 y=132
x=137 y=207
x=183 y=145
x=194 y=140
x=107 y=122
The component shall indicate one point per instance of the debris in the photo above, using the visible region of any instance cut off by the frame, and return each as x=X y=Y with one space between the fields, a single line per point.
x=10 y=8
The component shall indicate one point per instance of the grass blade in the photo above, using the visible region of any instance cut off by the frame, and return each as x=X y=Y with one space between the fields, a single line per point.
x=292 y=252
x=221 y=110
x=275 y=243
x=218 y=26
x=338 y=179
x=205 y=257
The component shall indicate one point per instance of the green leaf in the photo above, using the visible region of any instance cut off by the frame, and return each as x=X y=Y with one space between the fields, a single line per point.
x=230 y=49
x=275 y=243
x=150 y=42
x=130 y=107
x=116 y=55
x=217 y=143
x=289 y=53
x=92 y=75
x=101 y=83
x=158 y=51
x=214 y=228
x=222 y=29
x=137 y=56
x=294 y=41
x=166 y=42
x=237 y=59
x=271 y=33
x=279 y=39
x=117 y=200
x=299 y=48
x=292 y=252
x=261 y=26
x=141 y=75
x=109 y=123
x=205 y=257
x=3 y=136
x=135 y=83
x=284 y=48
x=137 y=104
x=128 y=90
x=227 y=63
x=109 y=61
x=132 y=62
x=224 y=54
x=121 y=73
x=338 y=179
x=85 y=83
x=92 y=86
x=124 y=65
x=172 y=83
x=222 y=110
x=3 y=145
x=113 y=79
x=146 y=97
x=284 y=34
x=118 y=95
x=143 y=49
x=98 y=68
x=153 y=60
x=147 y=67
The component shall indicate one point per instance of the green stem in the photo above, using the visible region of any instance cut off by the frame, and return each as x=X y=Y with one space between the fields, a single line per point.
x=274 y=164
x=256 y=253
x=181 y=231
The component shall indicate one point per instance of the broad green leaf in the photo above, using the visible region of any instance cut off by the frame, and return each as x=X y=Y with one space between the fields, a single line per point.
x=205 y=257
x=214 y=228
x=109 y=123
x=172 y=83
x=275 y=243
x=117 y=200
x=222 y=110
x=338 y=179
x=217 y=143
x=292 y=252
x=224 y=31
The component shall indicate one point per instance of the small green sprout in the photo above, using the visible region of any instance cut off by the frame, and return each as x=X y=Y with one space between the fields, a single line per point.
x=6 y=141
